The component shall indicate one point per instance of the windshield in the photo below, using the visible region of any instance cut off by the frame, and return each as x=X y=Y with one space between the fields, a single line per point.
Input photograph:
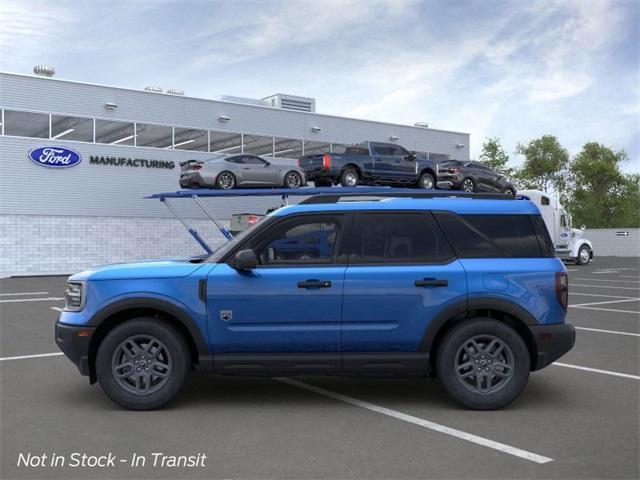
x=226 y=247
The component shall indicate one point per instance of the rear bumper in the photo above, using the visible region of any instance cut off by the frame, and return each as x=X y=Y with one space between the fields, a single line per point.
x=552 y=342
x=74 y=343
x=191 y=180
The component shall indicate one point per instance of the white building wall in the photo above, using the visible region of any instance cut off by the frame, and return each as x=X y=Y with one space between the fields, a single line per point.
x=608 y=242
x=54 y=245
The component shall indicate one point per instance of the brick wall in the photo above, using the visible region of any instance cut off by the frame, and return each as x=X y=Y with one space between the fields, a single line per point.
x=50 y=245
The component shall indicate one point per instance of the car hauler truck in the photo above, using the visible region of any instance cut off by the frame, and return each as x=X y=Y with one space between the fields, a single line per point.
x=567 y=241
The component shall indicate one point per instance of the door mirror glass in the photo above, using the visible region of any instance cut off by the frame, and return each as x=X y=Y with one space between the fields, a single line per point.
x=412 y=156
x=245 y=260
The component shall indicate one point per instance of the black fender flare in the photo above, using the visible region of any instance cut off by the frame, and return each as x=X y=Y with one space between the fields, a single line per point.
x=461 y=308
x=162 y=306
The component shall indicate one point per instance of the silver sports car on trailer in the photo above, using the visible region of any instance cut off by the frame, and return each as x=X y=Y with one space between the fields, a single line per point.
x=241 y=170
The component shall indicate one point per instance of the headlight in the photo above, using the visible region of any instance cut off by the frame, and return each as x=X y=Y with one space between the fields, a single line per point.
x=74 y=296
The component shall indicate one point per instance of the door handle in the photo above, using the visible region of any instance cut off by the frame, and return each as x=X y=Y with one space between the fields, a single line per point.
x=432 y=282
x=314 y=284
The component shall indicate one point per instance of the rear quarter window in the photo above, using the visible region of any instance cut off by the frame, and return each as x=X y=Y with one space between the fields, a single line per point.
x=491 y=236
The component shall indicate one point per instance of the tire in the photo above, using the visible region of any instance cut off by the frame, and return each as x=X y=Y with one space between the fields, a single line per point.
x=426 y=181
x=292 y=180
x=143 y=391
x=510 y=192
x=225 y=180
x=584 y=255
x=500 y=388
x=468 y=185
x=349 y=178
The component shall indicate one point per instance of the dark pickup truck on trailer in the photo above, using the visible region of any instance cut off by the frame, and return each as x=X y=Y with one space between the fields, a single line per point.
x=370 y=163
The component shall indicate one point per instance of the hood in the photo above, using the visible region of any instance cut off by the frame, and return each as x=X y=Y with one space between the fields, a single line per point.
x=576 y=233
x=147 y=269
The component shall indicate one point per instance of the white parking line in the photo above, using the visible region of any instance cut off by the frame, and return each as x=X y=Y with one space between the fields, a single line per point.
x=23 y=357
x=606 y=280
x=485 y=442
x=57 y=309
x=597 y=370
x=605 y=272
x=605 y=286
x=22 y=293
x=605 y=302
x=14 y=300
x=616 y=332
x=597 y=295
x=610 y=310
x=628 y=276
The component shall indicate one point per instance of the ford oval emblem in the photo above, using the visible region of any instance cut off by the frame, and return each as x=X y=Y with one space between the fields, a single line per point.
x=55 y=157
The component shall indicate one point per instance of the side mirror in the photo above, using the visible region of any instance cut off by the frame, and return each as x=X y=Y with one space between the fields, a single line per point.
x=245 y=260
x=412 y=156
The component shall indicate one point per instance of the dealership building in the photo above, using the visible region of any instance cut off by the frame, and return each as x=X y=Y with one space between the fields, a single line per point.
x=127 y=144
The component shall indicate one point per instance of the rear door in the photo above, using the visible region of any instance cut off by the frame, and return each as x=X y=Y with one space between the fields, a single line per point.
x=383 y=160
x=402 y=273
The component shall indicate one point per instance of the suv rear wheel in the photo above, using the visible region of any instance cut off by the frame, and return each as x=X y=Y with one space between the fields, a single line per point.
x=468 y=185
x=483 y=364
x=142 y=363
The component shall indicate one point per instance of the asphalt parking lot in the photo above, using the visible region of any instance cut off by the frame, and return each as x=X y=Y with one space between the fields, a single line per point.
x=578 y=418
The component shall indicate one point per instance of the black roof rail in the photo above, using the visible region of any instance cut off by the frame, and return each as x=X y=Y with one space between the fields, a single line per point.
x=354 y=196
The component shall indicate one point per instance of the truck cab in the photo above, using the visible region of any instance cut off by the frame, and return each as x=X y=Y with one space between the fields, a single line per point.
x=568 y=241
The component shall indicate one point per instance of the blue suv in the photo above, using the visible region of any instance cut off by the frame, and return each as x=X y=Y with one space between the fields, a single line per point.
x=466 y=289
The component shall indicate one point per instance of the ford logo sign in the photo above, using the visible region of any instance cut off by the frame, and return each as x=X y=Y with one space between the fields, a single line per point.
x=55 y=157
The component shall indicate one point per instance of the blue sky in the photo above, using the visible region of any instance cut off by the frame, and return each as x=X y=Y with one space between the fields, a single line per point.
x=515 y=70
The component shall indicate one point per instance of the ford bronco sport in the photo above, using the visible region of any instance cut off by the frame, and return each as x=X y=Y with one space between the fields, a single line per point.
x=466 y=289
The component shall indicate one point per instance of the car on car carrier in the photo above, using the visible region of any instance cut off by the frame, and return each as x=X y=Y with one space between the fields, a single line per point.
x=465 y=288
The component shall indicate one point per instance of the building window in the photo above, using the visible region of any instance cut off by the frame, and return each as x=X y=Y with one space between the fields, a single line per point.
x=438 y=157
x=114 y=133
x=225 y=142
x=157 y=136
x=26 y=124
x=287 y=148
x=258 y=145
x=71 y=128
x=190 y=139
x=314 y=148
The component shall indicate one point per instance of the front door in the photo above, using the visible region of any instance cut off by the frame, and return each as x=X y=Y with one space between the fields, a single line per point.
x=257 y=171
x=290 y=303
x=401 y=274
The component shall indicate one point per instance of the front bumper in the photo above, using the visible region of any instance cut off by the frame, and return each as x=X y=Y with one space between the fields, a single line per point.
x=552 y=342
x=74 y=342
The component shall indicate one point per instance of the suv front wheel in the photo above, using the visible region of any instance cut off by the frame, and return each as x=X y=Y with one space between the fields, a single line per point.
x=483 y=364
x=142 y=363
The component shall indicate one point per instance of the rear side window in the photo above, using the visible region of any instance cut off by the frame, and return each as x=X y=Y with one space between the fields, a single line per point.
x=544 y=239
x=491 y=236
x=383 y=238
x=356 y=151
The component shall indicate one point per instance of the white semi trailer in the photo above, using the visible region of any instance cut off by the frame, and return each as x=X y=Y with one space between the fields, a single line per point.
x=567 y=241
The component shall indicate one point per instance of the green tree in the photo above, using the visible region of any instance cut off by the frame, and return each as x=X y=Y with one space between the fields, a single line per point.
x=495 y=157
x=600 y=195
x=545 y=164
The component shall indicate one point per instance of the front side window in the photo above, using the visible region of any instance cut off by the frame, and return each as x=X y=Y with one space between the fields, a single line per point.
x=299 y=242
x=396 y=237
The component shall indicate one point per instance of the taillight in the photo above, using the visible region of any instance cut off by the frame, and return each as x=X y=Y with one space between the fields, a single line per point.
x=252 y=219
x=453 y=170
x=326 y=161
x=299 y=162
x=196 y=167
x=562 y=289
